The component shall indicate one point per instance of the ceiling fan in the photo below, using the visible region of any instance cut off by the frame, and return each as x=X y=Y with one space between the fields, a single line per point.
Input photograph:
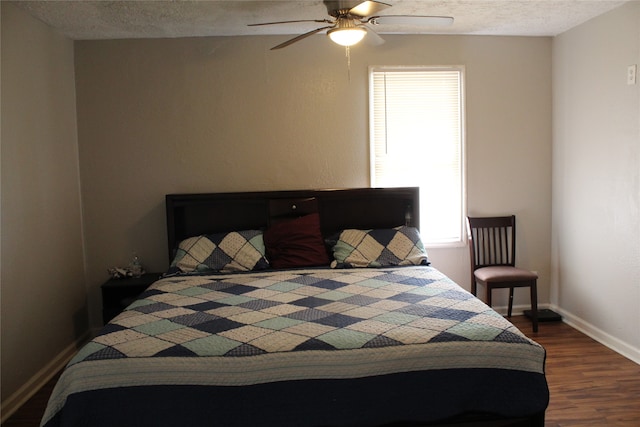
x=348 y=26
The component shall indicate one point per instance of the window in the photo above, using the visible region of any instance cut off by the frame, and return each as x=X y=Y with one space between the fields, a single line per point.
x=416 y=117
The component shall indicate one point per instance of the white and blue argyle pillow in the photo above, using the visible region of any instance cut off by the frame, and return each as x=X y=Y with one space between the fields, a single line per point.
x=222 y=252
x=379 y=248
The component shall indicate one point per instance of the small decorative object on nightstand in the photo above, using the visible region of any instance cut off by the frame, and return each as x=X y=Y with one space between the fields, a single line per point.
x=135 y=267
x=117 y=294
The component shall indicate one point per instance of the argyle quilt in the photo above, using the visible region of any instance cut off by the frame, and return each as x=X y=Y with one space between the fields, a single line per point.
x=260 y=327
x=252 y=314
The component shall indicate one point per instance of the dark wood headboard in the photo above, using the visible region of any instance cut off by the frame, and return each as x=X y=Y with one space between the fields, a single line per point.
x=364 y=208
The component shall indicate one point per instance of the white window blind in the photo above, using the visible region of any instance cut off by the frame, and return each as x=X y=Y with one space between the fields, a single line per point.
x=416 y=119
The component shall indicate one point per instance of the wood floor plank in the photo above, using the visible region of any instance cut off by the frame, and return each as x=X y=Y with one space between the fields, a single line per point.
x=590 y=385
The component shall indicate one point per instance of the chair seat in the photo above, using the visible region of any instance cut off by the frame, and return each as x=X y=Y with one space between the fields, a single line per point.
x=499 y=274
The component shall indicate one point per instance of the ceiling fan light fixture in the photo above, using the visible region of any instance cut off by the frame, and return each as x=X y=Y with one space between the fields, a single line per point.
x=348 y=26
x=346 y=36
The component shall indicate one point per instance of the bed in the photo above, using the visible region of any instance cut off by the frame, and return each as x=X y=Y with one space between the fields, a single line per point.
x=302 y=308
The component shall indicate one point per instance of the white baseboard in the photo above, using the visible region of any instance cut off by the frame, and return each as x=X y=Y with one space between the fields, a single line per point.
x=583 y=326
x=615 y=344
x=518 y=310
x=11 y=404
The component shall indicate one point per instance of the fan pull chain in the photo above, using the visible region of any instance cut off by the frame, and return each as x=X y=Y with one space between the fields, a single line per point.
x=348 y=55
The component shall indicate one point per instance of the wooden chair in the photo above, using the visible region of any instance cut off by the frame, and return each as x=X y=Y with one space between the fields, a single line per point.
x=492 y=246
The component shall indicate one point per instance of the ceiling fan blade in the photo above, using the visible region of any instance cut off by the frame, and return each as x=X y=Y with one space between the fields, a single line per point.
x=368 y=8
x=300 y=37
x=426 y=21
x=291 y=22
x=372 y=38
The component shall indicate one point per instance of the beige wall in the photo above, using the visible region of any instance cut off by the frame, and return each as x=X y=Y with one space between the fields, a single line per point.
x=43 y=293
x=596 y=179
x=227 y=114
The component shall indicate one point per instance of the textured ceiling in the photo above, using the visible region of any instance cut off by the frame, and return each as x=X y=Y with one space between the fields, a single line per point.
x=86 y=20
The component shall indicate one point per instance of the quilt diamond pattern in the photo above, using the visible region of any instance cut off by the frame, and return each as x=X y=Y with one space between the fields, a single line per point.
x=239 y=315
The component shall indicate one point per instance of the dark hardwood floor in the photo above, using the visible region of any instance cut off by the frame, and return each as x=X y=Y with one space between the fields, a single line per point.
x=590 y=384
x=30 y=414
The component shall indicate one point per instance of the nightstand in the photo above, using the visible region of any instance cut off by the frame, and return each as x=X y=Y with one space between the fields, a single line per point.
x=117 y=294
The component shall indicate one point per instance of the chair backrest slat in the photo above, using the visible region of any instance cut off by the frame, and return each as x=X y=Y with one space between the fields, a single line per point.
x=492 y=241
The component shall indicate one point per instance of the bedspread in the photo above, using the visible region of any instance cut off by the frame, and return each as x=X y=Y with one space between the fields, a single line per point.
x=287 y=327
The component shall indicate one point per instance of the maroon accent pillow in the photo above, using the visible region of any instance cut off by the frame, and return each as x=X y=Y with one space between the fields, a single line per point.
x=296 y=243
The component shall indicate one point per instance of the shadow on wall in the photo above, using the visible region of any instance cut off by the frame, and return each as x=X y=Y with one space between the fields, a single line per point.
x=81 y=324
x=147 y=238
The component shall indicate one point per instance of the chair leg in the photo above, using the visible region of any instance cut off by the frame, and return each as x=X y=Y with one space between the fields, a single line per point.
x=534 y=305
x=510 y=309
x=488 y=293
